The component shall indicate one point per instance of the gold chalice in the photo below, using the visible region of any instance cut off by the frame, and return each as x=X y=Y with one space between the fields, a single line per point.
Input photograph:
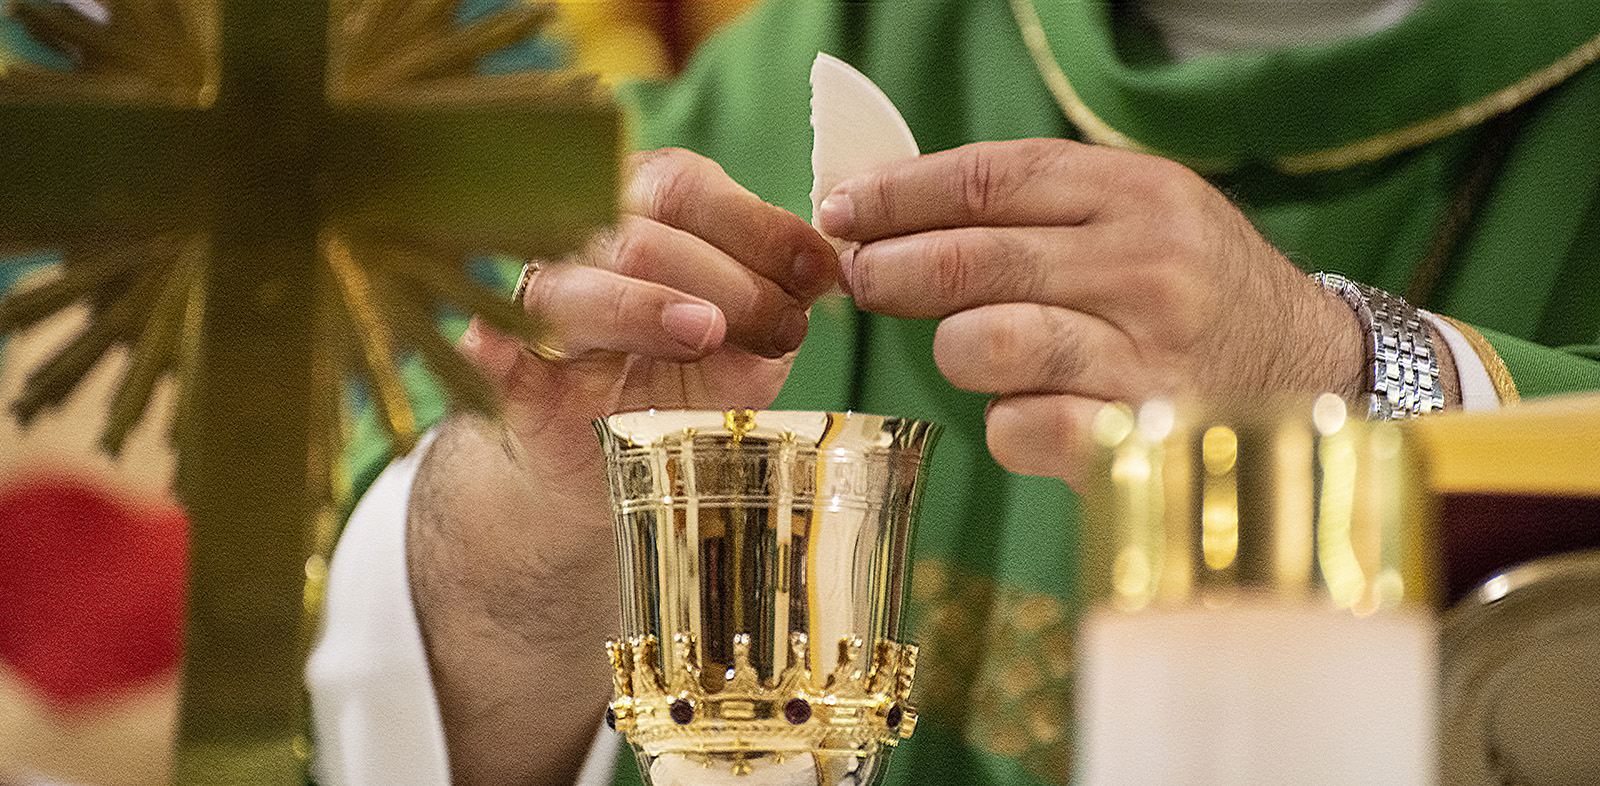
x=764 y=565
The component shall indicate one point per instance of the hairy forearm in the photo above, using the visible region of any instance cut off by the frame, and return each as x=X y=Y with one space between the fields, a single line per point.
x=514 y=585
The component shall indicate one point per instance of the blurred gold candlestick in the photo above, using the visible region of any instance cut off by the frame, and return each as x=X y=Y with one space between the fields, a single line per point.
x=1262 y=590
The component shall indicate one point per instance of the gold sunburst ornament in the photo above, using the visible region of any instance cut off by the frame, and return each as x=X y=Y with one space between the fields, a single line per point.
x=263 y=197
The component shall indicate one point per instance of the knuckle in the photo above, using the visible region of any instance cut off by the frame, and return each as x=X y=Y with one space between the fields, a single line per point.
x=1010 y=349
x=648 y=163
x=1158 y=176
x=1005 y=342
x=627 y=304
x=1162 y=185
x=644 y=170
x=673 y=194
x=628 y=253
x=998 y=440
x=763 y=307
x=772 y=235
x=977 y=266
x=976 y=178
x=864 y=285
x=1034 y=435
x=990 y=175
x=636 y=163
x=969 y=349
x=884 y=201
x=951 y=353
x=951 y=258
x=1175 y=301
x=1025 y=348
x=1168 y=257
x=1063 y=359
x=666 y=183
x=1016 y=270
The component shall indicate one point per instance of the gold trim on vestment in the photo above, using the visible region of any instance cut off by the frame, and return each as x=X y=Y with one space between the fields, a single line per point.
x=1011 y=696
x=1370 y=149
x=1094 y=129
x=1505 y=388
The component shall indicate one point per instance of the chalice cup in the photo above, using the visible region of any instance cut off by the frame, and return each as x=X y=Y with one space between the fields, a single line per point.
x=764 y=565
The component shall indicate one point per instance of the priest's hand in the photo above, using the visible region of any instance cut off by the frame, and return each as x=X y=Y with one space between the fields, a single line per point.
x=698 y=299
x=1066 y=275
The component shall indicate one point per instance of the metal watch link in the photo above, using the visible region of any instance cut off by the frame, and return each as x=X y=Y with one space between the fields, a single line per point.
x=1405 y=370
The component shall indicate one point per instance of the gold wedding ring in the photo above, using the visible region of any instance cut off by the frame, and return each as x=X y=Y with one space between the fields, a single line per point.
x=544 y=351
x=539 y=349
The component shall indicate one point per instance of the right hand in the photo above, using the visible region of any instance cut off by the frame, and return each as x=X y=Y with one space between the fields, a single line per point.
x=697 y=299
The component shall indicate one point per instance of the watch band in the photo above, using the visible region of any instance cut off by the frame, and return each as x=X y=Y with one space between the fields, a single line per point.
x=1405 y=370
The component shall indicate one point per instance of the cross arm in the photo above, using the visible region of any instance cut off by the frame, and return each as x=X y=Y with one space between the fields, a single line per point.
x=489 y=175
x=74 y=170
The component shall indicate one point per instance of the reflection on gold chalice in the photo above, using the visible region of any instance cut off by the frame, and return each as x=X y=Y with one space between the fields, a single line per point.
x=764 y=567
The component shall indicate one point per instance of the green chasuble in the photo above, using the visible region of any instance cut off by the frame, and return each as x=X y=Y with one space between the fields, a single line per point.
x=994 y=587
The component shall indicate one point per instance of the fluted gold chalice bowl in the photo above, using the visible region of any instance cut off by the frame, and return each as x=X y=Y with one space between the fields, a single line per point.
x=764 y=565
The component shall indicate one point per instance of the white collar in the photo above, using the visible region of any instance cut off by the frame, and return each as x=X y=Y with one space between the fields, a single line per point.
x=1192 y=28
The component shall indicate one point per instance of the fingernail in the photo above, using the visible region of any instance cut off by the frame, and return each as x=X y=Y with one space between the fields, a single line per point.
x=692 y=324
x=793 y=331
x=836 y=215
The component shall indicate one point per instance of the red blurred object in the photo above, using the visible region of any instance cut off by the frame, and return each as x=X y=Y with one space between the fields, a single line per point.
x=91 y=588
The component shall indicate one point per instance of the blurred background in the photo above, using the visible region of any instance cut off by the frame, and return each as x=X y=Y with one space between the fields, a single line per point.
x=92 y=550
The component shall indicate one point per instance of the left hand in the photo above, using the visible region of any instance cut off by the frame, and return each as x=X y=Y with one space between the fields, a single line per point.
x=1066 y=276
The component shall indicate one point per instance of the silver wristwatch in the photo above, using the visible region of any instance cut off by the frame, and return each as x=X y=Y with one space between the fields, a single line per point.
x=1405 y=371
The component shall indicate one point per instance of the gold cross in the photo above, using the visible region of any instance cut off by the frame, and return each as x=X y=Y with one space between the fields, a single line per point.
x=256 y=195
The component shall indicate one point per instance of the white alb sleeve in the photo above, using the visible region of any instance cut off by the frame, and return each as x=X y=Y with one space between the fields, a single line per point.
x=1477 y=391
x=375 y=718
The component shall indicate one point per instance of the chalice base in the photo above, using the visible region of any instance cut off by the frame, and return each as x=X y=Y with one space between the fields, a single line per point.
x=765 y=768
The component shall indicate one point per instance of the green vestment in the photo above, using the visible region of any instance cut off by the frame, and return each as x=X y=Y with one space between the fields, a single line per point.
x=995 y=577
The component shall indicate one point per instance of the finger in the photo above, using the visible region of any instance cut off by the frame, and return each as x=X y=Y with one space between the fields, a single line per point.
x=933 y=274
x=588 y=310
x=1043 y=434
x=1109 y=270
x=761 y=317
x=692 y=193
x=1029 y=348
x=1025 y=183
x=494 y=353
